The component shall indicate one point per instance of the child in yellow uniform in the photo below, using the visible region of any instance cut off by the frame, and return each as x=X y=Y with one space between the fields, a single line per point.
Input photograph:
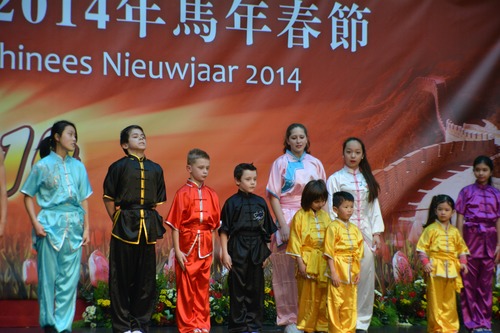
x=343 y=251
x=439 y=248
x=305 y=245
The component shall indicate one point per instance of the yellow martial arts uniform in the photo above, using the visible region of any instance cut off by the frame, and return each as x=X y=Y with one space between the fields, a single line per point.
x=442 y=246
x=307 y=233
x=344 y=245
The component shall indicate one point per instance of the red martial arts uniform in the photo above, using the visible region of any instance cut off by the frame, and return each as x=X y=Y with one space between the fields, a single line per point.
x=195 y=214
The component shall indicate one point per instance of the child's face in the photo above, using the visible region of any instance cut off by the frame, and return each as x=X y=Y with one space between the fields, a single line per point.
x=136 y=142
x=482 y=173
x=67 y=139
x=353 y=154
x=248 y=181
x=345 y=210
x=318 y=204
x=199 y=170
x=444 y=212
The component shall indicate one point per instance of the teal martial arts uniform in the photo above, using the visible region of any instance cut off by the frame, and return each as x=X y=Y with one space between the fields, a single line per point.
x=60 y=185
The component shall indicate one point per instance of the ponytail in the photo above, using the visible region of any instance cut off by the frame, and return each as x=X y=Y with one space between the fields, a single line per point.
x=45 y=147
x=373 y=186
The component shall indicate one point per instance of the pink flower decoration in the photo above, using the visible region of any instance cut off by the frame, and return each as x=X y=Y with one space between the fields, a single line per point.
x=98 y=268
x=401 y=267
x=30 y=273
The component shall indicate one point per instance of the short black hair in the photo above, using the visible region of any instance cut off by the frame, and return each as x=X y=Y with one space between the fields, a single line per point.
x=240 y=168
x=339 y=197
x=314 y=190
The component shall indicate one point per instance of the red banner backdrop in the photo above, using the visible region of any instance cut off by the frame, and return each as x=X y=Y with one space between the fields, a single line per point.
x=418 y=81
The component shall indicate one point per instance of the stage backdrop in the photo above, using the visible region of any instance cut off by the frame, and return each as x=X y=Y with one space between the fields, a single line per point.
x=418 y=81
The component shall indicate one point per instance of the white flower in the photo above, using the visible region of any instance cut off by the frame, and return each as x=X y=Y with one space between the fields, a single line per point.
x=419 y=281
x=91 y=310
x=378 y=293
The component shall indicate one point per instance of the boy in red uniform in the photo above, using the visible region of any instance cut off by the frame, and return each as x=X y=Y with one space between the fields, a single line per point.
x=194 y=217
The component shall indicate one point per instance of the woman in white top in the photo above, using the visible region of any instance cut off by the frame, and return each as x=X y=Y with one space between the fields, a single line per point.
x=356 y=178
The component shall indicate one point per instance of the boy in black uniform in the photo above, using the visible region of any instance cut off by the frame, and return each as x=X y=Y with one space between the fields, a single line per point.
x=133 y=187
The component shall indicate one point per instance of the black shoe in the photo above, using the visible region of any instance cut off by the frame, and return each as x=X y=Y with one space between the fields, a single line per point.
x=49 y=329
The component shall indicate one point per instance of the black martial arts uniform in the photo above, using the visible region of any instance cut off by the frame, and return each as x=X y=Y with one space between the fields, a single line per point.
x=248 y=223
x=136 y=185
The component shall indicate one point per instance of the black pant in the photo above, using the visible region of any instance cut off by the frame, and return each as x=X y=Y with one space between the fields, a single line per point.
x=132 y=284
x=246 y=290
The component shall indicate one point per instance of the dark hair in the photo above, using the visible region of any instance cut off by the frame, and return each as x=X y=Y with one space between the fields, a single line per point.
x=436 y=201
x=366 y=170
x=314 y=190
x=125 y=135
x=240 y=168
x=288 y=132
x=485 y=160
x=49 y=143
x=195 y=154
x=339 y=197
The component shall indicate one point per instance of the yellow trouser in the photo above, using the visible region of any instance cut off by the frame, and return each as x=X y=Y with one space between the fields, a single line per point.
x=342 y=303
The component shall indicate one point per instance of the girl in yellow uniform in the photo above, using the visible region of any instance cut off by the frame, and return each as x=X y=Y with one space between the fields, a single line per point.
x=443 y=254
x=305 y=245
x=343 y=251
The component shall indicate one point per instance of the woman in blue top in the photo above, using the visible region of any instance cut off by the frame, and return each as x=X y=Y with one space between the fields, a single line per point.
x=61 y=187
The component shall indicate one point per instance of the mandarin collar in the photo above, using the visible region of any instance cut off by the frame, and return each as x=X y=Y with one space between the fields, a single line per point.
x=351 y=171
x=299 y=159
x=441 y=224
x=59 y=157
x=243 y=193
x=482 y=187
x=191 y=182
x=140 y=159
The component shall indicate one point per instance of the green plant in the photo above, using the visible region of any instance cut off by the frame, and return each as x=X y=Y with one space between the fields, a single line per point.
x=164 y=312
x=496 y=302
x=219 y=300
x=407 y=300
x=97 y=313
x=384 y=311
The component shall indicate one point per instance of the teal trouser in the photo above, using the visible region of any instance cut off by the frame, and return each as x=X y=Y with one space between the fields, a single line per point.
x=58 y=275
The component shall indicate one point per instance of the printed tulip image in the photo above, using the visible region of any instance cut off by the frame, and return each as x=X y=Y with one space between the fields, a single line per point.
x=30 y=274
x=402 y=269
x=98 y=268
